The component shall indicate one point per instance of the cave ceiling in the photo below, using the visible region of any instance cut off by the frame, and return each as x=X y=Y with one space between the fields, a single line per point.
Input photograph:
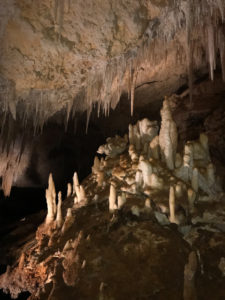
x=70 y=55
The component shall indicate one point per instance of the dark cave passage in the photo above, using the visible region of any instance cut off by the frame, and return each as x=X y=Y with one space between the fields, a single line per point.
x=22 y=296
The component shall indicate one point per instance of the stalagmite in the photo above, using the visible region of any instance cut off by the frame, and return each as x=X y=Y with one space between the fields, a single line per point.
x=82 y=194
x=188 y=155
x=156 y=182
x=131 y=135
x=68 y=221
x=50 y=210
x=178 y=160
x=59 y=219
x=211 y=175
x=179 y=190
x=114 y=146
x=96 y=165
x=69 y=189
x=133 y=153
x=205 y=145
x=135 y=210
x=168 y=136
x=139 y=179
x=146 y=170
x=185 y=171
x=194 y=180
x=121 y=200
x=68 y=246
x=148 y=204
x=112 y=198
x=75 y=200
x=51 y=187
x=50 y=195
x=148 y=130
x=191 y=199
x=136 y=138
x=76 y=184
x=154 y=148
x=22 y=261
x=172 y=217
x=189 y=277
x=100 y=178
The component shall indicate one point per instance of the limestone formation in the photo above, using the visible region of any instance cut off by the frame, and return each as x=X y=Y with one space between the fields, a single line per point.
x=211 y=175
x=96 y=166
x=121 y=200
x=69 y=189
x=191 y=199
x=146 y=169
x=156 y=182
x=100 y=178
x=139 y=179
x=154 y=150
x=127 y=206
x=135 y=210
x=168 y=136
x=59 y=219
x=178 y=160
x=142 y=133
x=75 y=183
x=194 y=180
x=50 y=195
x=133 y=154
x=112 y=198
x=172 y=205
x=113 y=147
x=82 y=194
x=189 y=277
x=68 y=221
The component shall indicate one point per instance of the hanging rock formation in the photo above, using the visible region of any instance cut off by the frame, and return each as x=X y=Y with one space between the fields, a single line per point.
x=60 y=56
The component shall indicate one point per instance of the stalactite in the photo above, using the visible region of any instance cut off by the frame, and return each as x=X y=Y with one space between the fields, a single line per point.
x=211 y=50
x=107 y=81
x=221 y=46
x=189 y=46
x=58 y=17
x=221 y=6
x=134 y=78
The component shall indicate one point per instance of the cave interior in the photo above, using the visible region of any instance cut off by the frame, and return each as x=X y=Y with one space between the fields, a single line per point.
x=112 y=149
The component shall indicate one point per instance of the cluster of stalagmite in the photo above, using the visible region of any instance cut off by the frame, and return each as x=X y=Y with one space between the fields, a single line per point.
x=143 y=179
x=78 y=190
x=143 y=173
x=54 y=212
x=154 y=168
x=147 y=163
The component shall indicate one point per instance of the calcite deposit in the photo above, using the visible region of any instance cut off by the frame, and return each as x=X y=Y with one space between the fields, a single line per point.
x=152 y=229
x=69 y=55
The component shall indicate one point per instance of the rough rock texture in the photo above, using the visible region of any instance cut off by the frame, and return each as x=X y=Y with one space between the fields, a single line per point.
x=149 y=247
x=70 y=54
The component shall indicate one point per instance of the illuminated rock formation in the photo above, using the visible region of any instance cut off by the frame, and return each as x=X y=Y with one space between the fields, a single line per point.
x=51 y=200
x=142 y=207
